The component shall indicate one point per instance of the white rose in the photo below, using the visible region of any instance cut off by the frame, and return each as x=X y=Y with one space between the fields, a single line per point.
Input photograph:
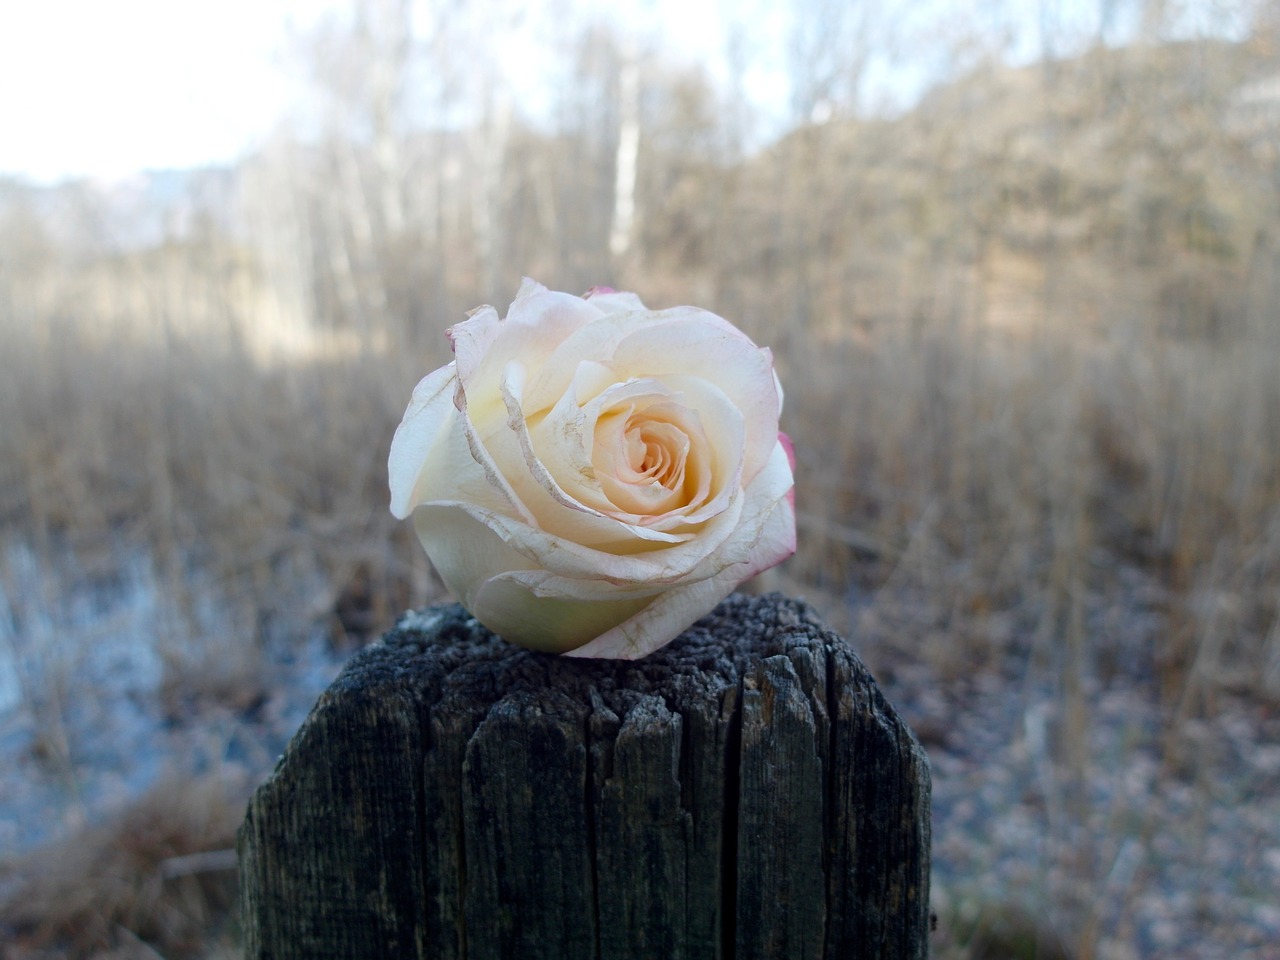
x=589 y=476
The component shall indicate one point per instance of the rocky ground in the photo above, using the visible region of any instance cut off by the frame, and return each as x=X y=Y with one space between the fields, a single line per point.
x=1070 y=821
x=1086 y=823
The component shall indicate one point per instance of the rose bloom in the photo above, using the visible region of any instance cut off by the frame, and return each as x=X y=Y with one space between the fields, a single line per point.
x=589 y=476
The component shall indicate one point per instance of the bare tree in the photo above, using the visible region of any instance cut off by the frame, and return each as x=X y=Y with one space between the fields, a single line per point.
x=829 y=49
x=624 y=191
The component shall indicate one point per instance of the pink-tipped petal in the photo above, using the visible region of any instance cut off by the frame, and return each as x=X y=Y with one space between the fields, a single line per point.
x=589 y=476
x=785 y=442
x=427 y=419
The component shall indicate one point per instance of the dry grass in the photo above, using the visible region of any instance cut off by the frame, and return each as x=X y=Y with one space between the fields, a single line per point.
x=263 y=483
x=1003 y=474
x=154 y=879
x=999 y=405
x=1001 y=469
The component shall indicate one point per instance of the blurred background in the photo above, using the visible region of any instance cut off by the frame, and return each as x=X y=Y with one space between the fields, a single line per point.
x=1020 y=265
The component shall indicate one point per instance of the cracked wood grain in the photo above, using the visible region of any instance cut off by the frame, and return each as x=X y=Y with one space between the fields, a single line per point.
x=745 y=792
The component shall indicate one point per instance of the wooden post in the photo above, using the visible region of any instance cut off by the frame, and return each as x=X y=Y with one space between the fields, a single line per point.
x=745 y=792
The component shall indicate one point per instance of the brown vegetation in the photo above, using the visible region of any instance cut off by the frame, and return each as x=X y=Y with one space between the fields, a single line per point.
x=1028 y=332
x=155 y=879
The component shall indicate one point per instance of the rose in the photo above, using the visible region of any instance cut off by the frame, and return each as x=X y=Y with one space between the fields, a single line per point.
x=589 y=476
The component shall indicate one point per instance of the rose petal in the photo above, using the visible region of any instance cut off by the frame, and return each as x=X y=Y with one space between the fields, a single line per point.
x=591 y=474
x=614 y=301
x=725 y=540
x=628 y=562
x=427 y=419
x=464 y=548
x=552 y=624
x=435 y=455
x=668 y=343
x=554 y=510
x=483 y=573
x=565 y=439
x=484 y=344
x=672 y=612
x=594 y=342
x=685 y=344
x=789 y=448
x=577 y=616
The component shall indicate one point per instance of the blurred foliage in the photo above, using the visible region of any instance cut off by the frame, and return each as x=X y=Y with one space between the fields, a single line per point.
x=1035 y=310
x=1027 y=327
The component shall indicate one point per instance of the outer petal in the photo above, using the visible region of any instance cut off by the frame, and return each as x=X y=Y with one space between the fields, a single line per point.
x=485 y=575
x=536 y=323
x=582 y=618
x=614 y=301
x=435 y=455
x=459 y=539
x=644 y=563
x=426 y=423
x=543 y=584
x=550 y=624
x=672 y=612
x=596 y=341
x=725 y=540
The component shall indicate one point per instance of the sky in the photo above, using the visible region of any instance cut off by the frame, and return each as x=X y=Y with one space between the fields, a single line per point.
x=103 y=90
x=106 y=89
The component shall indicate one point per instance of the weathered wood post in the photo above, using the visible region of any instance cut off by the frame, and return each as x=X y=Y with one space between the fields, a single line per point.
x=744 y=792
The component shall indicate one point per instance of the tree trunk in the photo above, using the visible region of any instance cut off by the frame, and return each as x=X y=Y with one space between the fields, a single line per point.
x=744 y=792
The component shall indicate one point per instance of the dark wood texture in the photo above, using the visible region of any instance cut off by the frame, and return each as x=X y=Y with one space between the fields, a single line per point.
x=745 y=792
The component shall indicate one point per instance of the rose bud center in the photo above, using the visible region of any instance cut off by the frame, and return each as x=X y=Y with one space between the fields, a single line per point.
x=648 y=460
